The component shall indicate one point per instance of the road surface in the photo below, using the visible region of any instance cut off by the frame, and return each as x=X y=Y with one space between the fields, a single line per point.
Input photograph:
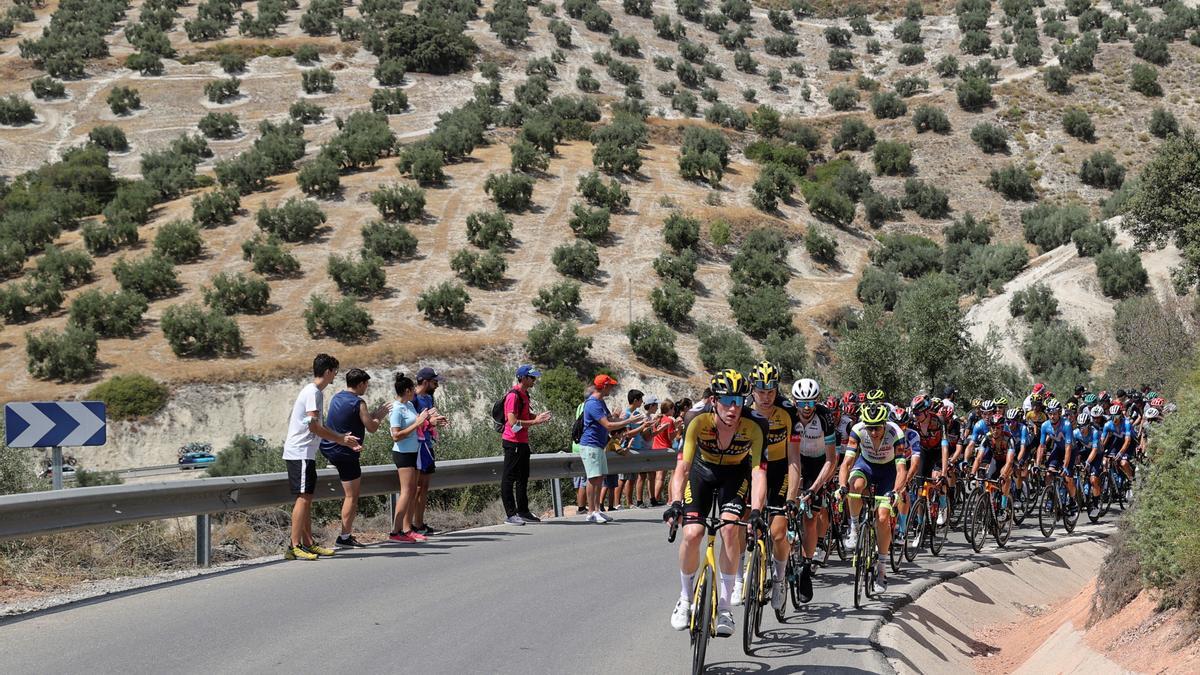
x=564 y=596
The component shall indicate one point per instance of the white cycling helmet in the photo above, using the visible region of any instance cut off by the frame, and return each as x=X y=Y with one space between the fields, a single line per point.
x=1083 y=418
x=1097 y=410
x=1152 y=413
x=1115 y=409
x=806 y=390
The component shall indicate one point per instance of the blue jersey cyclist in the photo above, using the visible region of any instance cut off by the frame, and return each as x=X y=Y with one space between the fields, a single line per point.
x=875 y=455
x=997 y=449
x=1118 y=439
x=1087 y=444
x=1056 y=442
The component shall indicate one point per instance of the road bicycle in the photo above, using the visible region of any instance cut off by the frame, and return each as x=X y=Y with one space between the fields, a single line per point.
x=756 y=584
x=957 y=495
x=836 y=529
x=922 y=520
x=1055 y=503
x=866 y=554
x=797 y=510
x=987 y=515
x=702 y=622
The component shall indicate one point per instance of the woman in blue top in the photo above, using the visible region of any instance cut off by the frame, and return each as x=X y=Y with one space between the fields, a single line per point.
x=405 y=421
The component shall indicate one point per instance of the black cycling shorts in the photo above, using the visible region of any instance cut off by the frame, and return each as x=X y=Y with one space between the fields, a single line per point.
x=931 y=461
x=777 y=482
x=731 y=483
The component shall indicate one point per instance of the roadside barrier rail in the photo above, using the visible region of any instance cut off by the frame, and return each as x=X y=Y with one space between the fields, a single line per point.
x=38 y=513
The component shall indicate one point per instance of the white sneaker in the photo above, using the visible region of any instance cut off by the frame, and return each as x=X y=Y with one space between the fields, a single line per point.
x=736 y=598
x=851 y=539
x=941 y=519
x=879 y=584
x=724 y=623
x=599 y=519
x=777 y=593
x=681 y=615
x=604 y=516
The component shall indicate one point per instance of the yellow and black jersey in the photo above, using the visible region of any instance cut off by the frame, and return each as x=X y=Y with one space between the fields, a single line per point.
x=779 y=430
x=749 y=440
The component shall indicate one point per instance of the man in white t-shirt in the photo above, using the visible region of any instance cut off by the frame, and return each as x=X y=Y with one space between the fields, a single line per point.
x=306 y=428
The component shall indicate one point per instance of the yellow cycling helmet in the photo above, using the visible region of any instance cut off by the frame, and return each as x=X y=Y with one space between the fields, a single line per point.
x=875 y=396
x=873 y=414
x=765 y=376
x=1000 y=401
x=729 y=383
x=976 y=402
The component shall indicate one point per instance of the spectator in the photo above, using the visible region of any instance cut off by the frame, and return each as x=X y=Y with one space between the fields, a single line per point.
x=644 y=441
x=518 y=417
x=405 y=420
x=580 y=482
x=348 y=415
x=630 y=440
x=427 y=383
x=664 y=437
x=597 y=426
x=305 y=431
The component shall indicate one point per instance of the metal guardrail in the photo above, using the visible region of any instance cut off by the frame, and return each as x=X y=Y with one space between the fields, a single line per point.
x=38 y=513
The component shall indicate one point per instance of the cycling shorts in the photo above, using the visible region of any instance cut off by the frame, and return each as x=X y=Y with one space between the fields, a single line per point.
x=881 y=476
x=1096 y=468
x=931 y=461
x=777 y=483
x=810 y=470
x=993 y=469
x=1055 y=461
x=730 y=483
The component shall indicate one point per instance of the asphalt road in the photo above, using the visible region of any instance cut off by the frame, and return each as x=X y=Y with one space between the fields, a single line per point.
x=564 y=596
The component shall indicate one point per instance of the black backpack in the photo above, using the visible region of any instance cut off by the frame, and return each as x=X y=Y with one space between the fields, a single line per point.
x=577 y=428
x=498 y=417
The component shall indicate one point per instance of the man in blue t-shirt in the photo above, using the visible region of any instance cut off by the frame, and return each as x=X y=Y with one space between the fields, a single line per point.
x=597 y=425
x=348 y=415
x=427 y=383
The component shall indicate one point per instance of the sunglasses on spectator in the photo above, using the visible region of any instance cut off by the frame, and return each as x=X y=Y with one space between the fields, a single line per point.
x=730 y=401
x=806 y=404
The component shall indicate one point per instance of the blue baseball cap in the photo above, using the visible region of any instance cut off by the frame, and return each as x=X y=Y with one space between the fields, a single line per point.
x=528 y=371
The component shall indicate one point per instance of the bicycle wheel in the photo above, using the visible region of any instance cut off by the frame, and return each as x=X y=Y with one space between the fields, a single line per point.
x=980 y=522
x=937 y=533
x=896 y=550
x=860 y=580
x=702 y=619
x=1022 y=502
x=1047 y=510
x=1004 y=527
x=764 y=581
x=837 y=530
x=918 y=518
x=793 y=582
x=956 y=498
x=751 y=596
x=868 y=539
x=821 y=557
x=969 y=522
x=1070 y=509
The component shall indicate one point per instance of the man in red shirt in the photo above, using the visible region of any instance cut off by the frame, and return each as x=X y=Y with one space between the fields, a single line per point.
x=518 y=417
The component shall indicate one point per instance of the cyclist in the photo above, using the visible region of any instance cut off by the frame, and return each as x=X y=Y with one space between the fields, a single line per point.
x=995 y=444
x=1116 y=438
x=935 y=440
x=782 y=463
x=881 y=465
x=912 y=460
x=815 y=436
x=1087 y=443
x=722 y=454
x=973 y=415
x=1057 y=437
x=987 y=411
x=1038 y=394
x=848 y=419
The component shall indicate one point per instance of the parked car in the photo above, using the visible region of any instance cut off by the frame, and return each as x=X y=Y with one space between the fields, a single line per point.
x=192 y=460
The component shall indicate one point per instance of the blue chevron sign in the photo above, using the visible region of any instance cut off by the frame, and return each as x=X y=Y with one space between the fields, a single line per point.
x=55 y=424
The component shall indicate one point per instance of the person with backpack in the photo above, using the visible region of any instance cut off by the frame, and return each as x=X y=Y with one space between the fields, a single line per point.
x=591 y=431
x=514 y=434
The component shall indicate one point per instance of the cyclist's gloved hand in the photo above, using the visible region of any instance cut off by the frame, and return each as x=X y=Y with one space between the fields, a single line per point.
x=757 y=521
x=841 y=492
x=891 y=495
x=673 y=512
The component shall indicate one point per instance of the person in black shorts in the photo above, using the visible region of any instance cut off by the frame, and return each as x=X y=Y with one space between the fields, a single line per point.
x=814 y=436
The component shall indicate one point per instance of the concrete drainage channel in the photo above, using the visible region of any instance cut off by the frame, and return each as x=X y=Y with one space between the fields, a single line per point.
x=902 y=634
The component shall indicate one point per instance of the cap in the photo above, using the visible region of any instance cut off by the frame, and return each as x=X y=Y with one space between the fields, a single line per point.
x=650 y=400
x=425 y=374
x=603 y=380
x=528 y=371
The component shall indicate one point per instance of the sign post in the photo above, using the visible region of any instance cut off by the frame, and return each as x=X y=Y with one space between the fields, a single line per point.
x=55 y=424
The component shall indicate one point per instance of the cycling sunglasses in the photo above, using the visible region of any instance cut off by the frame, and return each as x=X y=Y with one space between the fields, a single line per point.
x=766 y=386
x=874 y=427
x=731 y=401
x=806 y=404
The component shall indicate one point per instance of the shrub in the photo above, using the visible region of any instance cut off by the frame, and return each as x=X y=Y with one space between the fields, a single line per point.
x=387 y=241
x=179 y=241
x=930 y=118
x=974 y=93
x=1027 y=54
x=1102 y=170
x=342 y=320
x=1145 y=80
x=681 y=267
x=589 y=223
x=879 y=287
x=294 y=221
x=69 y=356
x=390 y=72
x=215 y=208
x=100 y=239
x=527 y=157
x=109 y=137
x=121 y=100
x=853 y=135
x=47 y=88
x=773 y=185
x=947 y=66
x=1090 y=240
x=237 y=294
x=511 y=191
x=559 y=300
x=267 y=256
x=19 y=302
x=1163 y=123
x=840 y=59
x=911 y=255
x=653 y=343
x=990 y=138
x=1057 y=80
x=1012 y=181
x=15 y=112
x=389 y=101
x=1035 y=302
x=609 y=195
x=306 y=55
x=423 y=163
x=191 y=331
x=762 y=310
x=892 y=158
x=723 y=347
x=319 y=178
x=364 y=278
x=820 y=246
x=911 y=55
x=399 y=202
x=880 y=208
x=910 y=86
x=1078 y=124
x=70 y=267
x=842 y=98
x=989 y=267
x=1121 y=273
x=672 y=303
x=219 y=126
x=130 y=396
x=222 y=91
x=928 y=201
x=306 y=112
x=1153 y=49
x=580 y=260
x=316 y=81
x=444 y=303
x=681 y=232
x=1053 y=345
x=975 y=42
x=831 y=205
x=888 y=105
x=557 y=343
x=246 y=172
x=108 y=314
x=1049 y=226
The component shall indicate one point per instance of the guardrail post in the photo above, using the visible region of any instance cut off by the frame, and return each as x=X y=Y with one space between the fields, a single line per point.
x=556 y=494
x=204 y=540
x=56 y=468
